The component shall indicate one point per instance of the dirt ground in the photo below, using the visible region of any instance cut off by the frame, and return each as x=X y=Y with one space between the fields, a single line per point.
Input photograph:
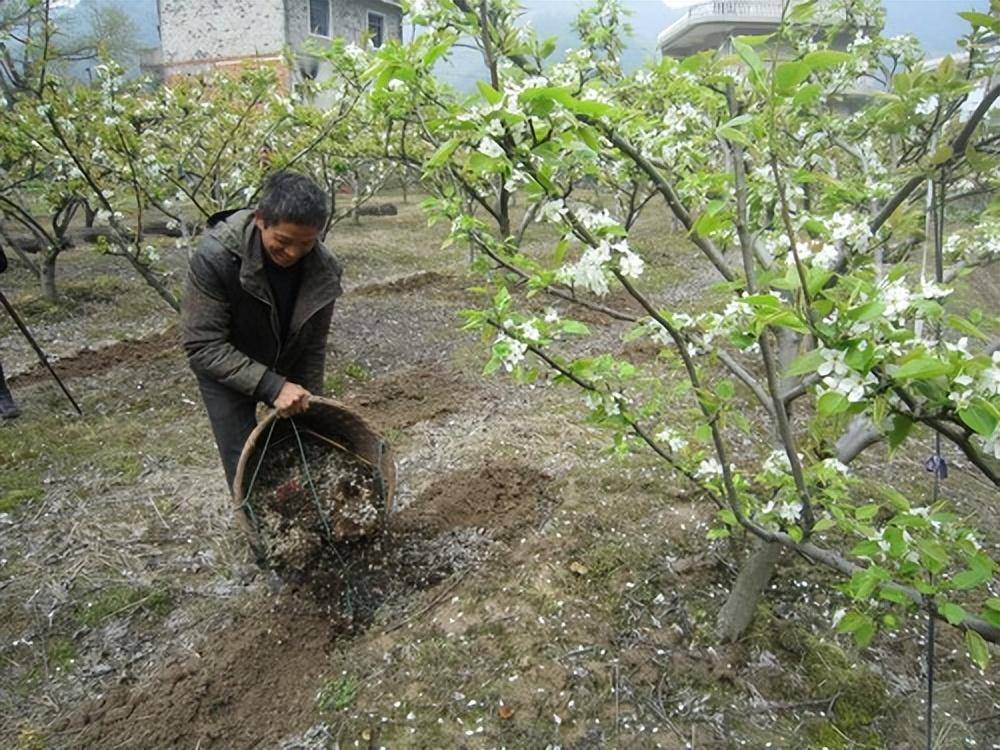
x=532 y=590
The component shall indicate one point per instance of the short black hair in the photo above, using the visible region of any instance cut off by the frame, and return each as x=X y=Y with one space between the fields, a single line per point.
x=294 y=198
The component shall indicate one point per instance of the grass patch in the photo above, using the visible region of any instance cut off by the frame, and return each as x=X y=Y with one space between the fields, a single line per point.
x=22 y=486
x=61 y=655
x=339 y=381
x=122 y=600
x=337 y=694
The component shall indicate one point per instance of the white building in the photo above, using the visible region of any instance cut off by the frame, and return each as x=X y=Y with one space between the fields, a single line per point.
x=709 y=25
x=201 y=35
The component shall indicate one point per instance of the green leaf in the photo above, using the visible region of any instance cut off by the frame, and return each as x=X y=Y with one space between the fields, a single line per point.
x=432 y=55
x=728 y=517
x=933 y=555
x=894 y=595
x=868 y=311
x=943 y=153
x=788 y=75
x=548 y=47
x=732 y=134
x=589 y=136
x=806 y=95
x=708 y=222
x=981 y=416
x=489 y=93
x=964 y=326
x=850 y=622
x=802 y=11
x=725 y=389
x=864 y=635
x=823 y=524
x=493 y=365
x=575 y=327
x=748 y=55
x=978 y=651
x=444 y=152
x=501 y=301
x=922 y=367
x=861 y=626
x=969 y=579
x=901 y=426
x=953 y=613
x=831 y=403
x=982 y=20
x=826 y=58
x=867 y=512
x=806 y=363
x=867 y=548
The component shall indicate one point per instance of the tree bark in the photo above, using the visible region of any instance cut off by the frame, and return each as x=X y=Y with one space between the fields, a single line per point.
x=738 y=611
x=47 y=276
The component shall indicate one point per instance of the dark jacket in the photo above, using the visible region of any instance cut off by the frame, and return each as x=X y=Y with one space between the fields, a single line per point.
x=229 y=323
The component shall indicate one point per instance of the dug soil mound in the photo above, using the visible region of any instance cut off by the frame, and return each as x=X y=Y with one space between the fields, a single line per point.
x=94 y=361
x=411 y=396
x=255 y=681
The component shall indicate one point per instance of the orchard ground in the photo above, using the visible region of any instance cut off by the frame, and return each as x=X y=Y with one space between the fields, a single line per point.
x=533 y=590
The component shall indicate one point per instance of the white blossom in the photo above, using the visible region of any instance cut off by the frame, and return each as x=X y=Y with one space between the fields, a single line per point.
x=552 y=211
x=710 y=468
x=490 y=147
x=672 y=439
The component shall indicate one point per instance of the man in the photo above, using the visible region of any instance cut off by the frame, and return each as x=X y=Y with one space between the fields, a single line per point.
x=257 y=307
x=8 y=409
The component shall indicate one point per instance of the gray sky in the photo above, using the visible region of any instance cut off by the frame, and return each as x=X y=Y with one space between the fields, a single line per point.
x=935 y=23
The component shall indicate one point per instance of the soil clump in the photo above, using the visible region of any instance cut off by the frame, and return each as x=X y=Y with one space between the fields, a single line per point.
x=247 y=684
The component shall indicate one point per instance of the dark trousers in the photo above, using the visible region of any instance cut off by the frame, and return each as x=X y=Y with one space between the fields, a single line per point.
x=233 y=417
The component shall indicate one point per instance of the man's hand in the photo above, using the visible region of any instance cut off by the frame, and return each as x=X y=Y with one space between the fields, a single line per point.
x=292 y=399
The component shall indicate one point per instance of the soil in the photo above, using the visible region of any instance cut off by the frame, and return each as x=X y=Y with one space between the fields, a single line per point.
x=531 y=590
x=107 y=357
x=232 y=692
x=412 y=396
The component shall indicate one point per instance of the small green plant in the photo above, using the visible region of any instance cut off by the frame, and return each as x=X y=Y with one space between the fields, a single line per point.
x=122 y=600
x=61 y=655
x=22 y=487
x=357 y=371
x=337 y=694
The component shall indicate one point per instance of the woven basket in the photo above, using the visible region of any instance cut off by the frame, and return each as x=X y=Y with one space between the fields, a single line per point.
x=336 y=424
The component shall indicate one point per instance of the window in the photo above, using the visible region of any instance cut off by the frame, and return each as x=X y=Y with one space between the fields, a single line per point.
x=319 y=17
x=376 y=28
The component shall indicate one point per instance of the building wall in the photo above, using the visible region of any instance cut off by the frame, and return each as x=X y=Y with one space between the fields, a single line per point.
x=199 y=34
x=349 y=18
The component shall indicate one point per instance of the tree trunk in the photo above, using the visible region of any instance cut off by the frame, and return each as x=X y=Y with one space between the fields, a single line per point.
x=738 y=611
x=47 y=276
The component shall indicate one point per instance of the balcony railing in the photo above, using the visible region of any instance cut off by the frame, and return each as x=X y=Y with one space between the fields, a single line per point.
x=736 y=8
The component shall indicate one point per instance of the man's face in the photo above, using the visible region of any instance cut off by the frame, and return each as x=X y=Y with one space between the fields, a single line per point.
x=285 y=243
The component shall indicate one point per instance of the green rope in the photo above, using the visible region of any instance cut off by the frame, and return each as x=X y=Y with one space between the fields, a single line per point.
x=312 y=491
x=246 y=505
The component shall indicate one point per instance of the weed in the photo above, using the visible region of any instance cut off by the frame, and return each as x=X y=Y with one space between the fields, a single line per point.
x=29 y=737
x=120 y=600
x=337 y=694
x=357 y=371
x=61 y=655
x=21 y=487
